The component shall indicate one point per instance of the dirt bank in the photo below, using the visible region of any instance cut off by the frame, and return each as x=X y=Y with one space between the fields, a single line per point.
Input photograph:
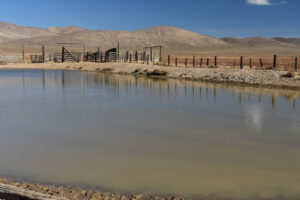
x=262 y=78
x=73 y=193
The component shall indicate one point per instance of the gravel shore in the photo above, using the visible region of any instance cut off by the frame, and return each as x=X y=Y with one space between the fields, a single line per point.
x=253 y=77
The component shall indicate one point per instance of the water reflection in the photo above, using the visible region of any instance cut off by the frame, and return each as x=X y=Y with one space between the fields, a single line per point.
x=166 y=88
x=138 y=134
x=255 y=117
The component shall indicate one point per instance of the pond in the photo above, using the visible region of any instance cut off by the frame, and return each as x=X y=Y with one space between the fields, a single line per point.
x=127 y=133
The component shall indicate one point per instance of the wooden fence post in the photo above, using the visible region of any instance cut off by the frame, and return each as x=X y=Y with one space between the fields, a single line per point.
x=216 y=61
x=250 y=63
x=275 y=62
x=185 y=63
x=207 y=62
x=84 y=50
x=63 y=54
x=176 y=62
x=99 y=55
x=169 y=60
x=136 y=57
x=23 y=53
x=151 y=53
x=194 y=61
x=296 y=64
x=118 y=51
x=201 y=62
x=241 y=62
x=43 y=53
x=127 y=56
x=261 y=63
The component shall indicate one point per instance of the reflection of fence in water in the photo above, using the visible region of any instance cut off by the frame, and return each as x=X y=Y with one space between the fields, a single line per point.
x=163 y=88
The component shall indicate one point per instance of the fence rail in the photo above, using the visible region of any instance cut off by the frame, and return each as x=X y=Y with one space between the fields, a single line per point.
x=152 y=55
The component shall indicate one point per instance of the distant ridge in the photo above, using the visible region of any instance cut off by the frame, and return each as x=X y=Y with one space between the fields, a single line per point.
x=167 y=36
x=173 y=39
x=261 y=42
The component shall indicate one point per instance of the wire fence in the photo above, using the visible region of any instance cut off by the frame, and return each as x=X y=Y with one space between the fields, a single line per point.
x=6 y=59
x=284 y=63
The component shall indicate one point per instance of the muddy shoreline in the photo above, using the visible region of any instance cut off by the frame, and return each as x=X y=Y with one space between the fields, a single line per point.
x=244 y=77
x=78 y=192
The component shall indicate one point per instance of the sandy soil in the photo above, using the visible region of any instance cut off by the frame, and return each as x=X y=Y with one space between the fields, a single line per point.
x=265 y=78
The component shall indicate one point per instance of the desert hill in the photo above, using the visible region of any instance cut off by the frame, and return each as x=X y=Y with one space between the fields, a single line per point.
x=260 y=42
x=174 y=40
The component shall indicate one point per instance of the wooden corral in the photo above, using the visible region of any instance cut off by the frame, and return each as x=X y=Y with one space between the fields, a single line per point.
x=36 y=59
x=65 y=56
x=98 y=56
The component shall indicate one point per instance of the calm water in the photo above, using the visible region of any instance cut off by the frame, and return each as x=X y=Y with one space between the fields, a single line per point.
x=127 y=133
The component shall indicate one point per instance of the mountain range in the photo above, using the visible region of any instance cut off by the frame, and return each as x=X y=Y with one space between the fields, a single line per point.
x=174 y=40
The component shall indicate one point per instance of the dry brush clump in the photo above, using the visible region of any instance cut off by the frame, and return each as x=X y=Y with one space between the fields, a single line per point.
x=157 y=72
x=294 y=75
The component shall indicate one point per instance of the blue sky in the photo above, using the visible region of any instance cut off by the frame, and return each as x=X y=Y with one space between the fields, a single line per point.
x=219 y=18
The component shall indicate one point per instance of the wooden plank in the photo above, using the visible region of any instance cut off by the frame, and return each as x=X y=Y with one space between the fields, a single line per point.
x=13 y=192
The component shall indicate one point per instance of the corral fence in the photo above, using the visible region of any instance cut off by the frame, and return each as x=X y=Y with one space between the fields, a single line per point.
x=153 y=55
x=64 y=56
